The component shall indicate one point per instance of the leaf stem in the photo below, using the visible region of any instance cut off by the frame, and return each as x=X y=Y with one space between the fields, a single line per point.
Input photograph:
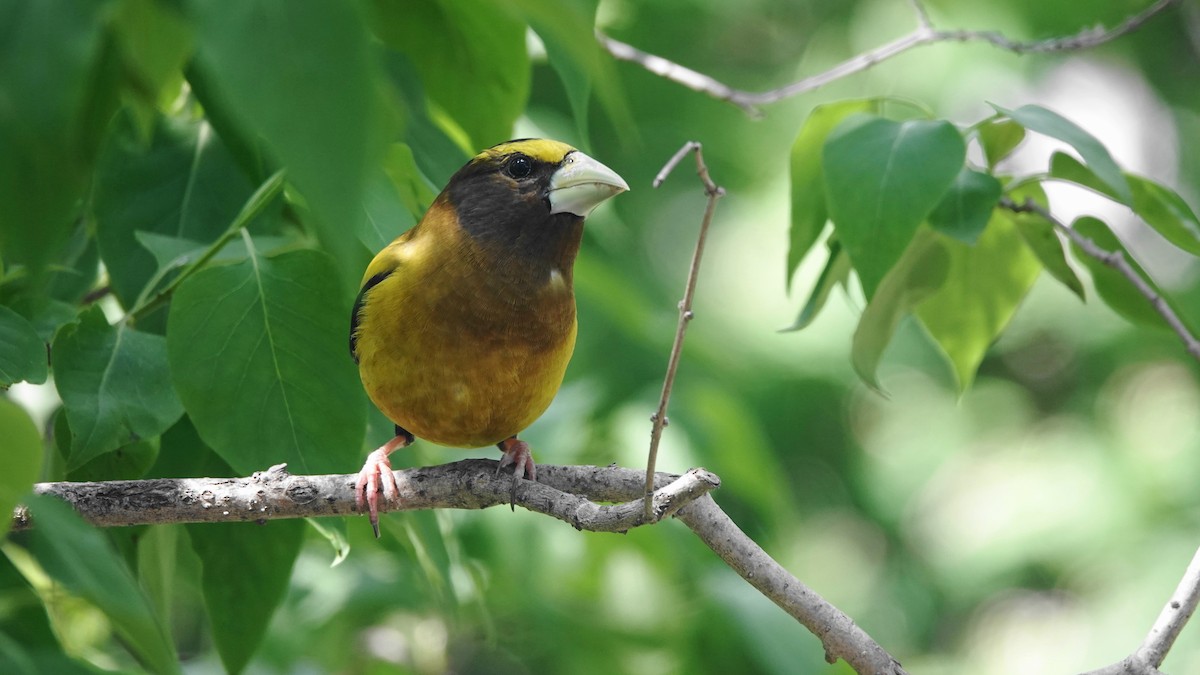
x=147 y=303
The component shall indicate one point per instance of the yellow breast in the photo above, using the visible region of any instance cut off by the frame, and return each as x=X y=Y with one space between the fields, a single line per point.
x=454 y=354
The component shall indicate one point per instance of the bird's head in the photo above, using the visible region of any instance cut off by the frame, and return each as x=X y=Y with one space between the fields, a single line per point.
x=531 y=194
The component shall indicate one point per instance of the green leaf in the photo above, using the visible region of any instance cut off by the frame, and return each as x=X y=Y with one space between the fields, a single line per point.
x=157 y=567
x=567 y=30
x=1094 y=154
x=836 y=271
x=258 y=356
x=1041 y=238
x=1065 y=167
x=184 y=184
x=329 y=142
x=21 y=459
x=983 y=288
x=472 y=58
x=396 y=196
x=918 y=274
x=998 y=138
x=1166 y=212
x=156 y=43
x=114 y=383
x=809 y=211
x=246 y=568
x=967 y=206
x=57 y=82
x=882 y=179
x=1158 y=205
x=81 y=559
x=22 y=352
x=1114 y=288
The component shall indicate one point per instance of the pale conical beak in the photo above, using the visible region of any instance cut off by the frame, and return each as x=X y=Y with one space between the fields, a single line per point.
x=581 y=183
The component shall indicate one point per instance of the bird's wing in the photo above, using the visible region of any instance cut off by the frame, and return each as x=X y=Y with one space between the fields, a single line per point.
x=358 y=305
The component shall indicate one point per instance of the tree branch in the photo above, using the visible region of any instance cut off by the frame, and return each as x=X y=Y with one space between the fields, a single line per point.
x=659 y=421
x=1117 y=261
x=924 y=34
x=277 y=494
x=1174 y=616
x=568 y=493
x=840 y=636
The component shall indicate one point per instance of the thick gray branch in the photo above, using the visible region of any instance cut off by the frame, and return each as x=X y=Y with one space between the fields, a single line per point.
x=572 y=494
x=276 y=493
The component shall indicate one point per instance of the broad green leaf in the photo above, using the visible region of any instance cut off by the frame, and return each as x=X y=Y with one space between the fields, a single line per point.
x=184 y=184
x=567 y=30
x=328 y=142
x=157 y=566
x=1041 y=238
x=918 y=274
x=472 y=58
x=396 y=197
x=258 y=356
x=807 y=178
x=128 y=462
x=335 y=532
x=1158 y=205
x=22 y=352
x=82 y=560
x=998 y=138
x=1166 y=212
x=836 y=271
x=882 y=179
x=174 y=253
x=20 y=460
x=983 y=288
x=183 y=454
x=114 y=383
x=1117 y=291
x=155 y=41
x=1094 y=154
x=384 y=214
x=967 y=206
x=77 y=270
x=1065 y=167
x=58 y=87
x=415 y=189
x=246 y=568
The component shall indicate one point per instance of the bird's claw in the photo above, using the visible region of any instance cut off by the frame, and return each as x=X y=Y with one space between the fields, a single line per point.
x=376 y=476
x=516 y=452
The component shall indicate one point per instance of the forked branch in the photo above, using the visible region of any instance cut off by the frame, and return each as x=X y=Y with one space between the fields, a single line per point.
x=924 y=34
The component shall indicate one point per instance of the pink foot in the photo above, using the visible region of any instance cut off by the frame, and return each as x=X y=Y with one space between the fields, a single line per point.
x=516 y=452
x=376 y=476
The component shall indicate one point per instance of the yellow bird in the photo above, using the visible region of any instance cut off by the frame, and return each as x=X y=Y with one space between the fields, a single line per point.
x=465 y=323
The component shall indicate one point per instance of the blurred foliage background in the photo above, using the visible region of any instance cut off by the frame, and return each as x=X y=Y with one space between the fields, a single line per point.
x=1035 y=524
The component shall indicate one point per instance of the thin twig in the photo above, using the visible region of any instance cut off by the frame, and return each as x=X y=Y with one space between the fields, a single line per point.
x=1174 y=616
x=924 y=34
x=1117 y=261
x=659 y=419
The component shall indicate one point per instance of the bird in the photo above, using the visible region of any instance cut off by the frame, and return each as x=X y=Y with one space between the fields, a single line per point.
x=464 y=325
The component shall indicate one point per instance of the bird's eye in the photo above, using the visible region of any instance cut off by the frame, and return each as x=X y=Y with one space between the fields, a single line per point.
x=519 y=167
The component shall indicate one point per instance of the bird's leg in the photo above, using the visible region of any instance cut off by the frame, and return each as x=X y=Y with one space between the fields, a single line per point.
x=376 y=476
x=516 y=452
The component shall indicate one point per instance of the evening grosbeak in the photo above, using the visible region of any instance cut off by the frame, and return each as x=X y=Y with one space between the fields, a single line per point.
x=465 y=323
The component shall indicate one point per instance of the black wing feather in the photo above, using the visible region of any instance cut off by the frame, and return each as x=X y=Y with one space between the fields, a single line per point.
x=358 y=305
